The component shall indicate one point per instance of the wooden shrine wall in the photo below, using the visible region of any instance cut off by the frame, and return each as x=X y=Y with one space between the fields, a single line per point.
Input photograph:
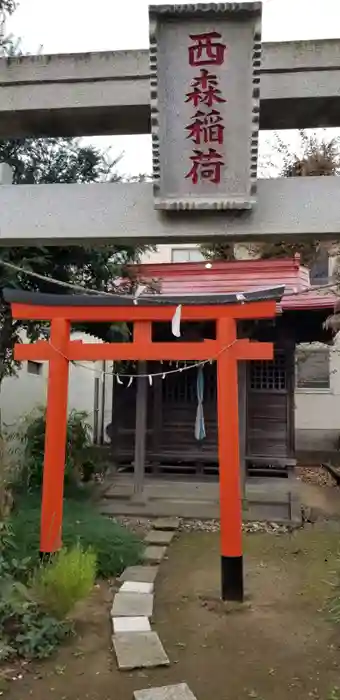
x=171 y=415
x=266 y=417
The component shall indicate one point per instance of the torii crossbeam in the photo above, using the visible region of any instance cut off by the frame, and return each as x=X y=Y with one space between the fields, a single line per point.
x=227 y=349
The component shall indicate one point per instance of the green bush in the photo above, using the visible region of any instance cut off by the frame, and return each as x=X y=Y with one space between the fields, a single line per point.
x=25 y=629
x=30 y=436
x=114 y=546
x=68 y=578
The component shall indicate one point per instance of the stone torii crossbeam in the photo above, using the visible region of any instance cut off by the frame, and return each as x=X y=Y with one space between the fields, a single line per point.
x=225 y=310
x=288 y=85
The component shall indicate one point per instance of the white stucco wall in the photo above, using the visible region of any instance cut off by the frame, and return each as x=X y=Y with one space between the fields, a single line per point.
x=163 y=253
x=317 y=411
x=81 y=394
x=21 y=394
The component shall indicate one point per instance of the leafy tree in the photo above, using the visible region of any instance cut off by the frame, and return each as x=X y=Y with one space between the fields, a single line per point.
x=316 y=157
x=37 y=161
x=47 y=161
x=7 y=6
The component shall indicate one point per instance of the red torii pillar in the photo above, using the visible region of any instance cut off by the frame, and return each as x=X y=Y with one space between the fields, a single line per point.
x=61 y=311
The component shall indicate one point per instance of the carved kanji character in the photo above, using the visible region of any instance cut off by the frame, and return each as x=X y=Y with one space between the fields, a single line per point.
x=206 y=50
x=205 y=90
x=207 y=128
x=206 y=166
x=205 y=80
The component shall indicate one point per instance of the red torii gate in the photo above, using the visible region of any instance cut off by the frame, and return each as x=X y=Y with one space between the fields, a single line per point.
x=224 y=309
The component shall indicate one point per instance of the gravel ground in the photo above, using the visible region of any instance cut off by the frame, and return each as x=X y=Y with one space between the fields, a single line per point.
x=141 y=526
x=214 y=526
x=315 y=475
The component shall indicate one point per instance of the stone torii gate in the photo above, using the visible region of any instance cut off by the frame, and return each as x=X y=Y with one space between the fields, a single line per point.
x=204 y=122
x=296 y=85
x=225 y=310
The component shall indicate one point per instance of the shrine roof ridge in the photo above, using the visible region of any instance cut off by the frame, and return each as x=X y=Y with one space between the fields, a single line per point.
x=18 y=296
x=196 y=9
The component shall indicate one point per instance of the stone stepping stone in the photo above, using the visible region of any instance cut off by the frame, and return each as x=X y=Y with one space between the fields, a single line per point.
x=166 y=524
x=167 y=692
x=162 y=537
x=132 y=605
x=136 y=587
x=139 y=650
x=154 y=555
x=130 y=624
x=139 y=573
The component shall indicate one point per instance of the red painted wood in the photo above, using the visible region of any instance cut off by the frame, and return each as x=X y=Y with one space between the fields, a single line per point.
x=122 y=351
x=60 y=350
x=142 y=333
x=252 y=350
x=55 y=441
x=143 y=350
x=228 y=444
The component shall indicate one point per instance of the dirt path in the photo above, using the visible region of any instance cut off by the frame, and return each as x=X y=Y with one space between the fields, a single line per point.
x=280 y=646
x=324 y=500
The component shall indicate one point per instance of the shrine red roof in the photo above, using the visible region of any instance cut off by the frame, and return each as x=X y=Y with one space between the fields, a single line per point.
x=247 y=275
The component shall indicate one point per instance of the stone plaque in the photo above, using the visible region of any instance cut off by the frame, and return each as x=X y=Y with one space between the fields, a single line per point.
x=205 y=97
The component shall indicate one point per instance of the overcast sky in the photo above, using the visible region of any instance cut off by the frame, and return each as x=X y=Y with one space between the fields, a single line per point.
x=63 y=26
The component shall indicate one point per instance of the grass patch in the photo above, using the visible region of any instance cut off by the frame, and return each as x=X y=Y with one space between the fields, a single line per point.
x=114 y=546
x=68 y=578
x=311 y=556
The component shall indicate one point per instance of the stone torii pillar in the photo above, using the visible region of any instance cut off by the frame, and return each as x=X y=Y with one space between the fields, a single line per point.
x=226 y=310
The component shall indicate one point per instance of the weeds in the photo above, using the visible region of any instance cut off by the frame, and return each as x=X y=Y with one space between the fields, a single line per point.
x=25 y=630
x=334 y=694
x=28 y=444
x=333 y=602
x=68 y=578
